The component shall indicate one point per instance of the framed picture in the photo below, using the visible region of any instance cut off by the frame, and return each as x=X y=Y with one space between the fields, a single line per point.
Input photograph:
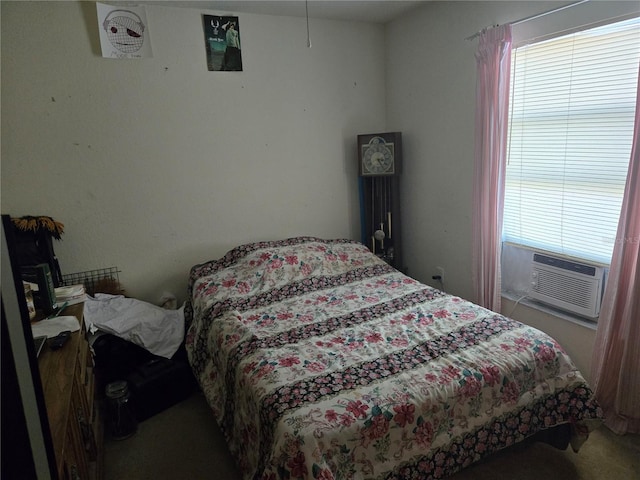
x=222 y=43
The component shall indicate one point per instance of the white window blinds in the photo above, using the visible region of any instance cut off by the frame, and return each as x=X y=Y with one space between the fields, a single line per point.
x=570 y=134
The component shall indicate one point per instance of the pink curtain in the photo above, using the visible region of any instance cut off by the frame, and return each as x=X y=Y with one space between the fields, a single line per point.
x=616 y=355
x=492 y=104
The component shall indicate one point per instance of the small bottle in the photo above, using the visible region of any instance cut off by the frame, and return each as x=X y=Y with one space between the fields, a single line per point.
x=121 y=421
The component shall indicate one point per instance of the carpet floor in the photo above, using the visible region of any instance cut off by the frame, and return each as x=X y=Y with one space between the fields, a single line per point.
x=184 y=442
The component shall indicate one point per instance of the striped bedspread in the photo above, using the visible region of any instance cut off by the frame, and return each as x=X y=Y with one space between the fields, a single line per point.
x=320 y=361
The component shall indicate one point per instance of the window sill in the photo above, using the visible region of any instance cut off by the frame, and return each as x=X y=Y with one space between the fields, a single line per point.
x=549 y=310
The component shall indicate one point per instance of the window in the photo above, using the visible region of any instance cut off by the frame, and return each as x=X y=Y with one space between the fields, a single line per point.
x=570 y=134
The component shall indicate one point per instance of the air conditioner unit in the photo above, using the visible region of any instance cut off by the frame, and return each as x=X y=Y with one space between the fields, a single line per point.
x=571 y=286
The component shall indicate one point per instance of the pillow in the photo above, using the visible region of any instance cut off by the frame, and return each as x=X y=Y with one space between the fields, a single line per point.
x=257 y=268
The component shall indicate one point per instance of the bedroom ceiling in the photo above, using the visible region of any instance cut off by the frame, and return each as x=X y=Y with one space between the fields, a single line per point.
x=376 y=11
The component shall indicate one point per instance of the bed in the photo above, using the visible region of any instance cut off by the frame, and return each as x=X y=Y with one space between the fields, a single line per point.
x=321 y=361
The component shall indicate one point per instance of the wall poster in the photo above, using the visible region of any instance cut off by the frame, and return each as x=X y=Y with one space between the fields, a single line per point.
x=222 y=42
x=123 y=32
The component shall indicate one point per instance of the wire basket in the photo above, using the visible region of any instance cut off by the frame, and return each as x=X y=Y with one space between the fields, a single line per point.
x=102 y=280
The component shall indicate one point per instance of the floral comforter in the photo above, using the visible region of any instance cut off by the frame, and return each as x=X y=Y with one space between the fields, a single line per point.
x=321 y=361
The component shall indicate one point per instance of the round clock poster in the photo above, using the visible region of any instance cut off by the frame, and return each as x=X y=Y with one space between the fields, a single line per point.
x=222 y=42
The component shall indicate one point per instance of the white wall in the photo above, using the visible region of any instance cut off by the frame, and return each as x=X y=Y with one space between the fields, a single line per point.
x=431 y=78
x=155 y=165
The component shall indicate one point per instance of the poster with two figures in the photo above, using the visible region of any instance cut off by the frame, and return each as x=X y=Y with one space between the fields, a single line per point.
x=124 y=33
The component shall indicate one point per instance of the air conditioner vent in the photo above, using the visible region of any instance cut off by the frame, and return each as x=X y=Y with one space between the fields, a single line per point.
x=574 y=291
x=571 y=286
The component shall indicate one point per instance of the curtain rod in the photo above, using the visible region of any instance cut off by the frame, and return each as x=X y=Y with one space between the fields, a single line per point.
x=532 y=17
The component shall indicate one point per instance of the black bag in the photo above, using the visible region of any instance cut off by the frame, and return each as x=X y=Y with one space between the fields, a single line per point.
x=116 y=358
x=155 y=382
x=158 y=384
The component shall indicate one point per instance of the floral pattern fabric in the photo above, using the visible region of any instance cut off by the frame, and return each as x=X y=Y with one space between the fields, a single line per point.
x=320 y=361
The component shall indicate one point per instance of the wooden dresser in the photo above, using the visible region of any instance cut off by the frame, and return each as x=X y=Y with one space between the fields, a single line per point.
x=68 y=382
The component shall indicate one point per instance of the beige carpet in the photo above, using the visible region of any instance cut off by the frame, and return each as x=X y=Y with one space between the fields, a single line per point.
x=184 y=442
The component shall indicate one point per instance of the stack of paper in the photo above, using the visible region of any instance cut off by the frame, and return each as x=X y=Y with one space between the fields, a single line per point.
x=70 y=295
x=50 y=327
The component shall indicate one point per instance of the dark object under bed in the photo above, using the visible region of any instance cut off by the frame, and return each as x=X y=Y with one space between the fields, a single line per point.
x=156 y=383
